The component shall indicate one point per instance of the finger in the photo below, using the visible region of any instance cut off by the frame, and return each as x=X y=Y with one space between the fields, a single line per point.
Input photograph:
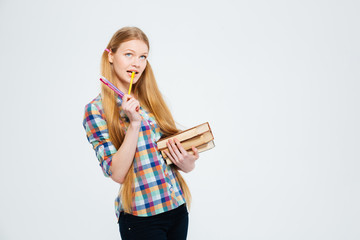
x=126 y=97
x=171 y=150
x=133 y=106
x=169 y=156
x=125 y=105
x=176 y=150
x=131 y=100
x=137 y=104
x=196 y=152
x=129 y=103
x=180 y=147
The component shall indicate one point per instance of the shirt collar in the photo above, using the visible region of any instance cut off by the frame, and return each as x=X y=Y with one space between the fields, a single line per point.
x=118 y=100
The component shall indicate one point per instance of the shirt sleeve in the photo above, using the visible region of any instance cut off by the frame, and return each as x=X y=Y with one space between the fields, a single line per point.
x=97 y=134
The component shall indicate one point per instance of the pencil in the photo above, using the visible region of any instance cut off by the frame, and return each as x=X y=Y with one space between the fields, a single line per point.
x=131 y=80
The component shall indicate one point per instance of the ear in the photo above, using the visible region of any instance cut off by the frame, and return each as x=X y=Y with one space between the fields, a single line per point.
x=110 y=57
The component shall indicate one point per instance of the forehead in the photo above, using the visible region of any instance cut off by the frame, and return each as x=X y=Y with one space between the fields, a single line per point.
x=134 y=45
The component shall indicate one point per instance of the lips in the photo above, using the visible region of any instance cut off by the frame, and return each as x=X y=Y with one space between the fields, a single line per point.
x=130 y=71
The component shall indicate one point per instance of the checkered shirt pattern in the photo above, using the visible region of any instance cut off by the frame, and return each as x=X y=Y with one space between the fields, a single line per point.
x=156 y=189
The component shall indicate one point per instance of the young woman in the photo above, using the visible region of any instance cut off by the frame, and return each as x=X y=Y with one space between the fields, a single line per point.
x=153 y=198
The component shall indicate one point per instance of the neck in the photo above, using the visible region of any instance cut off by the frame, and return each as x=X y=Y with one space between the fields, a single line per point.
x=125 y=88
x=122 y=88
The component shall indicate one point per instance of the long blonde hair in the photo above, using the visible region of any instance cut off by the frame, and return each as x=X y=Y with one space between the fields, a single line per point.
x=149 y=97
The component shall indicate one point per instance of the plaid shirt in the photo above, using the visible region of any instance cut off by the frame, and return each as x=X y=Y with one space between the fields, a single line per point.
x=156 y=188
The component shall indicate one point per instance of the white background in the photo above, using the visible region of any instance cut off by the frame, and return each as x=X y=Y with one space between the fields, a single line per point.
x=278 y=81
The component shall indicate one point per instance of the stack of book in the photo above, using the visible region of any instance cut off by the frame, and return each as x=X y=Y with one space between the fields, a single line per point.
x=199 y=136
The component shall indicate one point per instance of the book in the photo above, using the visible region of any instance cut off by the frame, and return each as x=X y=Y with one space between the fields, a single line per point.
x=199 y=136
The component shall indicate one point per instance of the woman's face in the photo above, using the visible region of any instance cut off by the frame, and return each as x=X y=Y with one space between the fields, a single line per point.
x=130 y=57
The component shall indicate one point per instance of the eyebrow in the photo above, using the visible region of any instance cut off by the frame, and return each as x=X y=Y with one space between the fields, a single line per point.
x=128 y=49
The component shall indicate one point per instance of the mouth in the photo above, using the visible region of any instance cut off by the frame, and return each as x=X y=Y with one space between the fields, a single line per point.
x=136 y=72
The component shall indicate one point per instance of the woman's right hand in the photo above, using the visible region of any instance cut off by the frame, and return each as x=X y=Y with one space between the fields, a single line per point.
x=131 y=108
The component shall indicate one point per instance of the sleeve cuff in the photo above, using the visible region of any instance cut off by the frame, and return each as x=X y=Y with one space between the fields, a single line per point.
x=105 y=166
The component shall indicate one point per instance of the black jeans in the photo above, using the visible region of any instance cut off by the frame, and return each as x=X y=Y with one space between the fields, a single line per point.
x=171 y=225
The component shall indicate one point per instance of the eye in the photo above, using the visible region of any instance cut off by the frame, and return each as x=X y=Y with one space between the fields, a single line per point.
x=128 y=54
x=143 y=57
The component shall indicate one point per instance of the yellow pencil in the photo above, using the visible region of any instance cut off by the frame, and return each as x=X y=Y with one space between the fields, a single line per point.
x=131 y=80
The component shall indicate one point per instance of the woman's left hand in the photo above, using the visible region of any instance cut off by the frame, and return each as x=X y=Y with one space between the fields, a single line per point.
x=180 y=157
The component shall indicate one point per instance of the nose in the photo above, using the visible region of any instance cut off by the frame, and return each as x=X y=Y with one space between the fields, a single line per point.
x=136 y=62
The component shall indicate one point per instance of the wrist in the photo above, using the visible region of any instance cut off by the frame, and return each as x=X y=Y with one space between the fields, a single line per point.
x=135 y=124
